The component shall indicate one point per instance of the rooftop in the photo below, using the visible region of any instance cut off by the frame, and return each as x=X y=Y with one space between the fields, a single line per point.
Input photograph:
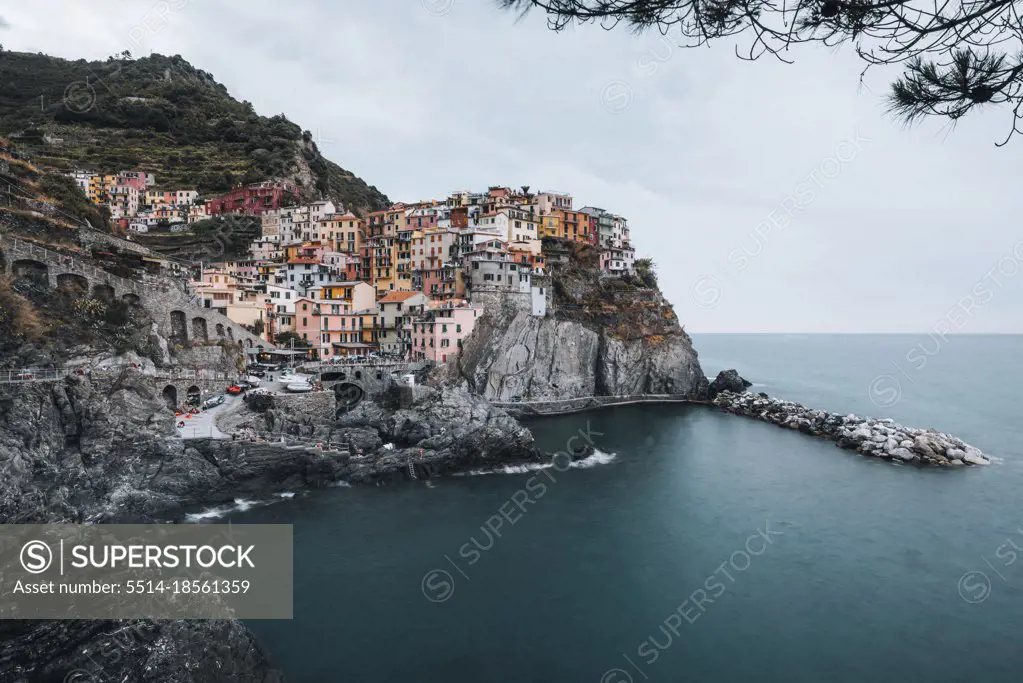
x=392 y=297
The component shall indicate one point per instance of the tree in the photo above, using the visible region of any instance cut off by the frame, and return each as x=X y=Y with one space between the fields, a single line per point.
x=956 y=55
x=646 y=272
x=284 y=339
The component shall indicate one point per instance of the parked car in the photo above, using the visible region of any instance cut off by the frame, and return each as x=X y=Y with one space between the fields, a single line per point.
x=245 y=386
x=255 y=372
x=213 y=401
x=234 y=390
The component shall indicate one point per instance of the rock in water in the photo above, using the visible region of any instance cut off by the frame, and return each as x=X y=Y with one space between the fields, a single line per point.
x=728 y=380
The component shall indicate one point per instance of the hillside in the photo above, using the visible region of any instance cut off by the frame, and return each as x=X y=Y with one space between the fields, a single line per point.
x=167 y=117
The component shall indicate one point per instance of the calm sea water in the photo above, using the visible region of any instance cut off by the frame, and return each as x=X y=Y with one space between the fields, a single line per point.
x=709 y=547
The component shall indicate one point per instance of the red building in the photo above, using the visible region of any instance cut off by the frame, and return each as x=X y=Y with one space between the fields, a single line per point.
x=251 y=200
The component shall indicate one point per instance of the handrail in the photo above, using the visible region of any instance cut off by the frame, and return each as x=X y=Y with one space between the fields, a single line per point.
x=604 y=399
x=24 y=375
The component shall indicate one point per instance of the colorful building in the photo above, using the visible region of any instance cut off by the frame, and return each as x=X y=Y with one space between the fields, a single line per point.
x=396 y=310
x=437 y=335
x=252 y=200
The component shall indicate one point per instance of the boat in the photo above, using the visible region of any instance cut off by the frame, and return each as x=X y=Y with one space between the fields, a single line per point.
x=299 y=387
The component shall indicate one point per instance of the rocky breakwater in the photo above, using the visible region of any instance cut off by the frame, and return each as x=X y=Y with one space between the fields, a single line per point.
x=880 y=438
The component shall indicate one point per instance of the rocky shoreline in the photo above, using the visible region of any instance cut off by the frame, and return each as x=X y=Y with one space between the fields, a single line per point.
x=104 y=450
x=879 y=438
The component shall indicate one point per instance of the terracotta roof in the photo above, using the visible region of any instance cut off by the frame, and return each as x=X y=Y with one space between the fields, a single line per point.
x=391 y=297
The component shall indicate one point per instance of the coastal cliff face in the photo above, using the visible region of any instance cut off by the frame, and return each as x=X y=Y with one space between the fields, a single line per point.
x=76 y=450
x=602 y=336
x=532 y=358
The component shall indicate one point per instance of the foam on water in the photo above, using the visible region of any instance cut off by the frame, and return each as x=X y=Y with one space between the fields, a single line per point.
x=212 y=513
x=597 y=458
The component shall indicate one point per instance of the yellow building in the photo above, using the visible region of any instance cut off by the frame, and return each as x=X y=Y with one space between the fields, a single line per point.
x=344 y=232
x=550 y=226
x=384 y=275
x=566 y=224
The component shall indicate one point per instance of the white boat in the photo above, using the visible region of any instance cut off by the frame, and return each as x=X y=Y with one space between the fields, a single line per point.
x=299 y=387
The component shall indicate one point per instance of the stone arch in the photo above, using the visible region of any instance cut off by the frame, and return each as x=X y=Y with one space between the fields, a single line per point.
x=103 y=291
x=131 y=299
x=199 y=331
x=331 y=376
x=220 y=329
x=72 y=283
x=248 y=343
x=194 y=395
x=358 y=374
x=170 y=396
x=3 y=261
x=33 y=271
x=179 y=327
x=230 y=334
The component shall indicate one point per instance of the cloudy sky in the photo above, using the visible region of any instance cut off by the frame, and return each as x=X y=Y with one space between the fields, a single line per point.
x=772 y=197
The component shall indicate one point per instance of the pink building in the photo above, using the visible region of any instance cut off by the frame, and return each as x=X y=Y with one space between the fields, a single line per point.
x=438 y=334
x=432 y=249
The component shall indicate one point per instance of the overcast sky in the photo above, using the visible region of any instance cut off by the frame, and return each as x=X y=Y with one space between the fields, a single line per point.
x=772 y=197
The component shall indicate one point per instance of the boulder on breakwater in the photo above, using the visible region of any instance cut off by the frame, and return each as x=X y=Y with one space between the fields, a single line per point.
x=881 y=438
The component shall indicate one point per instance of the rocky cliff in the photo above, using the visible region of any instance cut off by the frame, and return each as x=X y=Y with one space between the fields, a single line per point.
x=104 y=448
x=602 y=336
x=84 y=651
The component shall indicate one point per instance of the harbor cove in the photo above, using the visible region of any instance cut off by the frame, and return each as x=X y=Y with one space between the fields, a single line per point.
x=693 y=543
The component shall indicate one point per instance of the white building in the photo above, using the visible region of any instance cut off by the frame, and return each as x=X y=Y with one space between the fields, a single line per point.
x=550 y=200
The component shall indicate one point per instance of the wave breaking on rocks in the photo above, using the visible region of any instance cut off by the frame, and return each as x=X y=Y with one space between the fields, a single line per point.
x=880 y=438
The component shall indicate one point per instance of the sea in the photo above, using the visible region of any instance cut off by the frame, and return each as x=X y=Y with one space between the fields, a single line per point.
x=692 y=545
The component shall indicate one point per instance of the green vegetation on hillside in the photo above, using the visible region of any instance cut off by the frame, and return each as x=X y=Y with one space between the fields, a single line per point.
x=166 y=117
x=226 y=237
